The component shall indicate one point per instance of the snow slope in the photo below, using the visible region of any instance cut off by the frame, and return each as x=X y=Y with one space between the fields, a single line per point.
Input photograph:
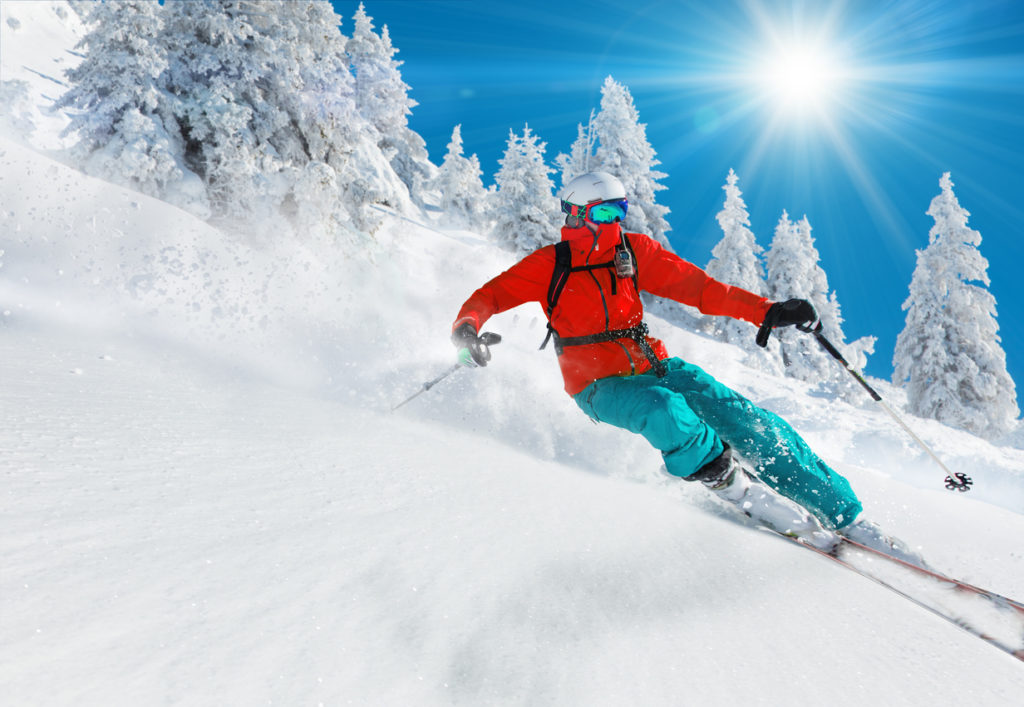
x=174 y=535
x=189 y=517
x=207 y=500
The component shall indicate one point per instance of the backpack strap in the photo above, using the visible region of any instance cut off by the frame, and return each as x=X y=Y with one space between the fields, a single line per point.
x=559 y=276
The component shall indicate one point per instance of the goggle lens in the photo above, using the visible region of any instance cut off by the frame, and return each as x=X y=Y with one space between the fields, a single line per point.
x=608 y=211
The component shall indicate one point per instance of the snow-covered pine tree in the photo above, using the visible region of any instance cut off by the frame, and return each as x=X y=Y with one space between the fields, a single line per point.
x=734 y=260
x=217 y=78
x=794 y=271
x=262 y=90
x=82 y=8
x=321 y=99
x=525 y=210
x=118 y=105
x=623 y=150
x=314 y=87
x=948 y=355
x=580 y=159
x=382 y=98
x=463 y=196
x=336 y=153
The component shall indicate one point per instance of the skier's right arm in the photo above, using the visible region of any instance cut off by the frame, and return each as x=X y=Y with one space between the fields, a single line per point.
x=526 y=281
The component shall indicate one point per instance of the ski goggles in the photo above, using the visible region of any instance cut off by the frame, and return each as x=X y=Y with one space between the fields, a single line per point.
x=601 y=212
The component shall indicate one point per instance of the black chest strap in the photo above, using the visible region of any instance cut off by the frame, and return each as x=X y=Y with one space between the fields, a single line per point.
x=637 y=333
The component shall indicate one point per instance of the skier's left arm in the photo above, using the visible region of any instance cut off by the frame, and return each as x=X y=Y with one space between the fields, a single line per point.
x=665 y=274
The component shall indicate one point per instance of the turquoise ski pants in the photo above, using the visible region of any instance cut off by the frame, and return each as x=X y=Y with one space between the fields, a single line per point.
x=688 y=414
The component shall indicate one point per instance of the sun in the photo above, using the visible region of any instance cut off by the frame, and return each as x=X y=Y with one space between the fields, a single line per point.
x=802 y=75
x=799 y=79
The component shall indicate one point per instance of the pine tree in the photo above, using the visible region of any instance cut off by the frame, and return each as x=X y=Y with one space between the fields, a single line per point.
x=339 y=169
x=323 y=109
x=217 y=78
x=381 y=94
x=262 y=90
x=794 y=271
x=321 y=103
x=624 y=152
x=118 y=102
x=735 y=260
x=382 y=98
x=948 y=355
x=581 y=155
x=463 y=196
x=526 y=212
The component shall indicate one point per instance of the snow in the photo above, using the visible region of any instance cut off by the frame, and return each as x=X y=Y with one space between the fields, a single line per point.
x=207 y=498
x=38 y=47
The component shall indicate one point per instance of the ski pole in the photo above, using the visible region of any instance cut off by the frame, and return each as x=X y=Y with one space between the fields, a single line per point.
x=954 y=482
x=487 y=339
x=414 y=222
x=429 y=384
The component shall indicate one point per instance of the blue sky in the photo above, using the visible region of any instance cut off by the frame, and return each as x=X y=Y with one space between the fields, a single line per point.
x=848 y=112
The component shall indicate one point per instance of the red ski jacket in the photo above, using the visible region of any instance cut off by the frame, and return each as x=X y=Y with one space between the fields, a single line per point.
x=588 y=306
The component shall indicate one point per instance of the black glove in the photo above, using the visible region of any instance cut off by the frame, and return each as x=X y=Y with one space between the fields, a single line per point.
x=473 y=350
x=793 y=311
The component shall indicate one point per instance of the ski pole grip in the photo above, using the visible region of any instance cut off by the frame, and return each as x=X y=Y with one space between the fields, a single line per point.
x=812 y=328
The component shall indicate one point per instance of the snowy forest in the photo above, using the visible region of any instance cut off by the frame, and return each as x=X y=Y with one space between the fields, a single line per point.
x=277 y=122
x=225 y=259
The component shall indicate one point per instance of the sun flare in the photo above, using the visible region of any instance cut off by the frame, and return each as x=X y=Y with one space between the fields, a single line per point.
x=799 y=79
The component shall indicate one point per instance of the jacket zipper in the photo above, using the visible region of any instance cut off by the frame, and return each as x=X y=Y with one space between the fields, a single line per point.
x=604 y=302
x=607 y=317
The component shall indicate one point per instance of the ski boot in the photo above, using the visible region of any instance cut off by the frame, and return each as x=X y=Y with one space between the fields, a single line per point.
x=727 y=478
x=869 y=534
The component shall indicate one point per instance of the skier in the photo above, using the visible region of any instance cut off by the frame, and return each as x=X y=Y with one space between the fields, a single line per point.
x=590 y=286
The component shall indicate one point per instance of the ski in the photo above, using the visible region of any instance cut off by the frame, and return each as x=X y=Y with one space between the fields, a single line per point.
x=959 y=584
x=995 y=619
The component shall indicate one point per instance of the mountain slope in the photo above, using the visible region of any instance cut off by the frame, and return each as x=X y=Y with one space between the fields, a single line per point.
x=208 y=500
x=175 y=534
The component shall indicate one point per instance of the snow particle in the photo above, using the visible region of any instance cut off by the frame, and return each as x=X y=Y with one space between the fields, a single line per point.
x=14 y=23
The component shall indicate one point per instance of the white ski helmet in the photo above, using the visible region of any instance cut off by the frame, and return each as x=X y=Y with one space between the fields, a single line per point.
x=590 y=188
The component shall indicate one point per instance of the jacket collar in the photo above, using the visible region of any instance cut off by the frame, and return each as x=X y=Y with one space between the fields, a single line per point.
x=608 y=235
